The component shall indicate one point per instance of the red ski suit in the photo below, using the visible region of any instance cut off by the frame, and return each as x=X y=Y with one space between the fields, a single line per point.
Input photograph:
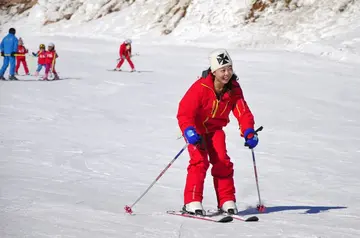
x=208 y=113
x=125 y=54
x=41 y=57
x=21 y=59
x=50 y=61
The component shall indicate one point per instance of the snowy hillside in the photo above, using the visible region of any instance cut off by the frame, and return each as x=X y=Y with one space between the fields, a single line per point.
x=74 y=152
x=326 y=27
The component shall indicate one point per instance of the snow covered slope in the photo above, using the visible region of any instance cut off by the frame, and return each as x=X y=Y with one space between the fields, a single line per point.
x=323 y=27
x=74 y=152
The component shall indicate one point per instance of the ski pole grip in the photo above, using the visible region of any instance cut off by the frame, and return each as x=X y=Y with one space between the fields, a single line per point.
x=259 y=129
x=256 y=131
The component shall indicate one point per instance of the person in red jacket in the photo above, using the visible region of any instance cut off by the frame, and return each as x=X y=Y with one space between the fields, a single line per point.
x=203 y=112
x=21 y=58
x=41 y=54
x=125 y=53
x=51 y=56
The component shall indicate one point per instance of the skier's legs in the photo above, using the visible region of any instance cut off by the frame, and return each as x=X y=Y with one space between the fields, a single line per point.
x=39 y=67
x=17 y=65
x=47 y=68
x=197 y=168
x=130 y=62
x=25 y=66
x=5 y=65
x=12 y=65
x=222 y=168
x=120 y=63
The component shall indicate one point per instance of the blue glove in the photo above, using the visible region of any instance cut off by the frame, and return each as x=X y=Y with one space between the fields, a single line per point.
x=191 y=135
x=251 y=138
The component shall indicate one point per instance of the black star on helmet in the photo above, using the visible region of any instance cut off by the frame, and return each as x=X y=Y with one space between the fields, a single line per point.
x=222 y=59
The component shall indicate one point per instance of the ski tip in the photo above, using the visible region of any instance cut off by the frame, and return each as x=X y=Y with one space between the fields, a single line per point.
x=226 y=219
x=252 y=219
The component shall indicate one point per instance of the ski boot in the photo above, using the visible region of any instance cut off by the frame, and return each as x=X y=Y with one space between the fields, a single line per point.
x=2 y=78
x=12 y=77
x=56 y=76
x=194 y=208
x=229 y=207
x=45 y=77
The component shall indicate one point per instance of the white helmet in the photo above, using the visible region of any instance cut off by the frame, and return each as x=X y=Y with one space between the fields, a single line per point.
x=51 y=45
x=128 y=41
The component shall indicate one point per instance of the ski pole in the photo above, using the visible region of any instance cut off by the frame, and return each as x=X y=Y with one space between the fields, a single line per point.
x=53 y=65
x=128 y=209
x=136 y=54
x=260 y=207
x=14 y=55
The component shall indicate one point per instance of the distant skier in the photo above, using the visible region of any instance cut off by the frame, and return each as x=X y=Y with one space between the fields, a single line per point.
x=203 y=112
x=41 y=54
x=51 y=56
x=21 y=58
x=8 y=48
x=125 y=53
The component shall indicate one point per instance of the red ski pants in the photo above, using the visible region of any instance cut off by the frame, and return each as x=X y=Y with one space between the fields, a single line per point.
x=128 y=60
x=23 y=61
x=214 y=148
x=49 y=67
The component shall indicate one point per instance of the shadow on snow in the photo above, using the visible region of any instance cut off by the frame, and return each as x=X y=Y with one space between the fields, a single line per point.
x=308 y=209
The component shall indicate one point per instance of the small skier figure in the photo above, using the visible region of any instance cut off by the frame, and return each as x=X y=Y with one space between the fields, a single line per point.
x=41 y=54
x=51 y=56
x=125 y=53
x=21 y=58
x=8 y=49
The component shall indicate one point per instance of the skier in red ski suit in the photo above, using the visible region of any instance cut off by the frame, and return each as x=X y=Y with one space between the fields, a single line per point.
x=51 y=57
x=203 y=112
x=41 y=54
x=21 y=58
x=125 y=53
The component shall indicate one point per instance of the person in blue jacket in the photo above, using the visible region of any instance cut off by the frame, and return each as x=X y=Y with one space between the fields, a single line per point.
x=8 y=48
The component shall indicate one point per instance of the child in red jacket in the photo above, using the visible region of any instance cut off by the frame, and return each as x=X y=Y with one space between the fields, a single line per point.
x=21 y=57
x=41 y=54
x=125 y=53
x=51 y=56
x=203 y=112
